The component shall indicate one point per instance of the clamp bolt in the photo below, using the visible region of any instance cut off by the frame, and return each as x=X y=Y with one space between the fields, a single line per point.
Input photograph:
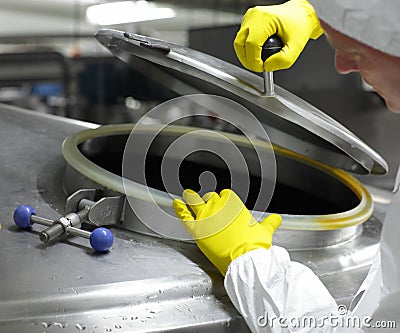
x=101 y=239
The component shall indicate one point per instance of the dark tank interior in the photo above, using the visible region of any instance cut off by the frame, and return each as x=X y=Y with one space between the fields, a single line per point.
x=300 y=189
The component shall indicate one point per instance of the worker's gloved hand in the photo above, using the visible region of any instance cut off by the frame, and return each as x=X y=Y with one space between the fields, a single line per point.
x=295 y=22
x=223 y=228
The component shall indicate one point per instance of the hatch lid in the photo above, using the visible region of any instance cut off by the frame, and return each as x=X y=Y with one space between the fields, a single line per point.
x=290 y=122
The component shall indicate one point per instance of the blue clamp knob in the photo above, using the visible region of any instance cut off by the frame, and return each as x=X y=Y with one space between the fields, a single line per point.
x=22 y=216
x=101 y=239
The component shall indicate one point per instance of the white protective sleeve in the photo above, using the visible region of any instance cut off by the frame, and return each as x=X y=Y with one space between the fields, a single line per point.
x=270 y=291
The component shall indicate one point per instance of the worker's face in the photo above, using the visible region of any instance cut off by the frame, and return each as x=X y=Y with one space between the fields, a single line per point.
x=378 y=69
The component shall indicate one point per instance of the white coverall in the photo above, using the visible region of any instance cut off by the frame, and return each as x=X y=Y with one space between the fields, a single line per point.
x=265 y=285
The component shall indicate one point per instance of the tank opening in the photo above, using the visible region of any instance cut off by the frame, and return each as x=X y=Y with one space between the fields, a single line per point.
x=300 y=189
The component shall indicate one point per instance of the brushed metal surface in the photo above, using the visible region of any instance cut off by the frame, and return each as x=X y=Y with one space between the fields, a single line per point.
x=144 y=283
x=65 y=284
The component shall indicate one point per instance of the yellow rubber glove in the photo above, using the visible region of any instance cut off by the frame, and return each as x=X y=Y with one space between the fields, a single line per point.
x=223 y=228
x=295 y=22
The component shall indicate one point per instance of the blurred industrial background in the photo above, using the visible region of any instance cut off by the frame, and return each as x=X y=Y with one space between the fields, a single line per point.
x=51 y=63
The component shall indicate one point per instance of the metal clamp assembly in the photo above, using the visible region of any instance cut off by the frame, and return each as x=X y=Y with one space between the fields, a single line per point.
x=105 y=211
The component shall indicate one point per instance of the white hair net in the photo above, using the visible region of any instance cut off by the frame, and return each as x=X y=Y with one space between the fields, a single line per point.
x=375 y=23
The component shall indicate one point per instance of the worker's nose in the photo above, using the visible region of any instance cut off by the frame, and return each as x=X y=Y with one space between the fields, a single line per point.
x=344 y=64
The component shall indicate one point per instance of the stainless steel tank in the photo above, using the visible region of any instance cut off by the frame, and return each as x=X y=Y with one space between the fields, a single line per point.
x=149 y=281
